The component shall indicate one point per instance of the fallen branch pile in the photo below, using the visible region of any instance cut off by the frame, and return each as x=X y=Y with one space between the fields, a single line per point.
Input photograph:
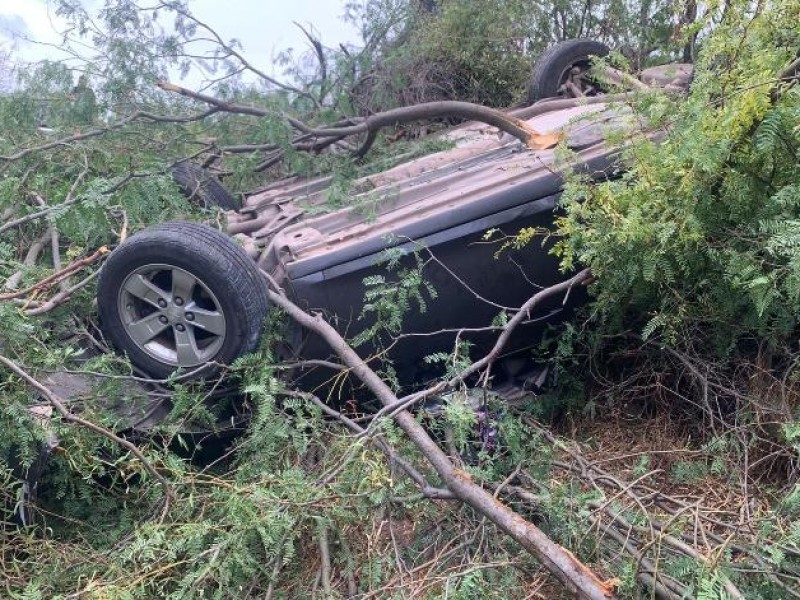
x=575 y=576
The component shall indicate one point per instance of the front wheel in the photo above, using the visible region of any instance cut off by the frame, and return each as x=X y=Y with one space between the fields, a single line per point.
x=180 y=296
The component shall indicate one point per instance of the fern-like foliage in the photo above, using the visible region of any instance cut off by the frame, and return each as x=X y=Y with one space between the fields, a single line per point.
x=703 y=229
x=388 y=302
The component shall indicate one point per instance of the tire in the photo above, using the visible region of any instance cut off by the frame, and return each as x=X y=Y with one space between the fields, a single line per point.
x=179 y=296
x=199 y=185
x=553 y=66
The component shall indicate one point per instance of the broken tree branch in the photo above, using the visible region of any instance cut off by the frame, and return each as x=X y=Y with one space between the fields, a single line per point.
x=231 y=51
x=58 y=403
x=316 y=44
x=581 y=278
x=30 y=259
x=325 y=559
x=426 y=489
x=58 y=275
x=429 y=110
x=521 y=316
x=61 y=297
x=573 y=574
x=91 y=133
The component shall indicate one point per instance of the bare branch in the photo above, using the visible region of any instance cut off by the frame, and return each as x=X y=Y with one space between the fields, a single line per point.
x=231 y=51
x=68 y=140
x=581 y=278
x=426 y=489
x=136 y=116
x=521 y=316
x=323 y=61
x=325 y=558
x=61 y=297
x=560 y=562
x=429 y=110
x=58 y=275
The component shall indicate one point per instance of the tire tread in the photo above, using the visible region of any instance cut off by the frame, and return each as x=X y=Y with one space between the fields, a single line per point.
x=551 y=64
x=196 y=182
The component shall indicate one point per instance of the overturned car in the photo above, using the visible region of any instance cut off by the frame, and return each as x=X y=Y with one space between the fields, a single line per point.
x=428 y=242
x=185 y=296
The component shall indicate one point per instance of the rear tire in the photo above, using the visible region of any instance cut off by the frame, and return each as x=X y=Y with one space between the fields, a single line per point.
x=553 y=67
x=180 y=296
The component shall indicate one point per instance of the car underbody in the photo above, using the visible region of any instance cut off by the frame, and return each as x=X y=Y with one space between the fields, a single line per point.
x=434 y=211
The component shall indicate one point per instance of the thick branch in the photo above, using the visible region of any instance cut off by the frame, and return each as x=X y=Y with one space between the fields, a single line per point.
x=559 y=561
x=429 y=110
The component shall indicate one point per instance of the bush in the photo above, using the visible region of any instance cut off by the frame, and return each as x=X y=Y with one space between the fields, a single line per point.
x=701 y=235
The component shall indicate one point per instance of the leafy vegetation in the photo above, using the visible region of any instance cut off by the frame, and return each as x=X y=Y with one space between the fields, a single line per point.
x=666 y=445
x=698 y=232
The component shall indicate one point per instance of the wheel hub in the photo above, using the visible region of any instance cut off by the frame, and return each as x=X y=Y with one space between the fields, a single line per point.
x=573 y=82
x=171 y=315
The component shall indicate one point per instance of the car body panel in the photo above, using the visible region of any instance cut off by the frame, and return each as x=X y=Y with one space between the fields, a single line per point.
x=436 y=209
x=483 y=174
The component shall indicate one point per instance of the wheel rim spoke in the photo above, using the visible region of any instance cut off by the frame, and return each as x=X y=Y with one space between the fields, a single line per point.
x=182 y=284
x=208 y=320
x=144 y=330
x=140 y=287
x=186 y=349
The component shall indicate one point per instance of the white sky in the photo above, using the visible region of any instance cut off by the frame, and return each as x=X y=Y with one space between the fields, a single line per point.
x=264 y=27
